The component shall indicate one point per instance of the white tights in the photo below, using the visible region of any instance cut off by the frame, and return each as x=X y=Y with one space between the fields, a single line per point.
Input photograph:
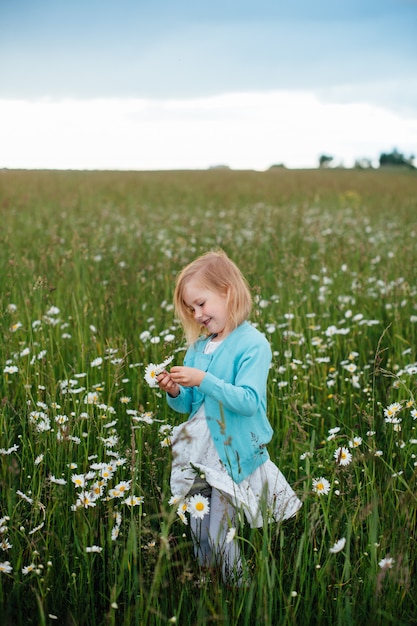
x=209 y=537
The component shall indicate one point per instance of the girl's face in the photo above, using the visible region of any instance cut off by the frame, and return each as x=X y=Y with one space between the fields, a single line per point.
x=208 y=307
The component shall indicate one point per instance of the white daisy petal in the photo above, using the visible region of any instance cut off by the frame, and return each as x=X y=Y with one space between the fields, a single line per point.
x=338 y=546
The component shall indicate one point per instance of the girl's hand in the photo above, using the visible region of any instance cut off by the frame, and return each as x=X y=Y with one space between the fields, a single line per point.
x=186 y=376
x=166 y=383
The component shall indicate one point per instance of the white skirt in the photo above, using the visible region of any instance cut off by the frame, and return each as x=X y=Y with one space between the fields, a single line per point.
x=265 y=492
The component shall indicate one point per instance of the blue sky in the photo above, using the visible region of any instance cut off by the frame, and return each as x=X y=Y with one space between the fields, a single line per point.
x=186 y=67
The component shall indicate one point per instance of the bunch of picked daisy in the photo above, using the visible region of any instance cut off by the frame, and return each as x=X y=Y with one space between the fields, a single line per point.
x=152 y=371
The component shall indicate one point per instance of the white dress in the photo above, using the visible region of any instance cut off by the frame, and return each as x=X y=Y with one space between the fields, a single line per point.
x=265 y=492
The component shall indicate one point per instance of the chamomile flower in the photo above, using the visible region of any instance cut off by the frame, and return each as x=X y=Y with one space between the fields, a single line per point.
x=86 y=499
x=338 y=545
x=152 y=371
x=90 y=549
x=351 y=367
x=343 y=456
x=181 y=512
x=91 y=398
x=175 y=500
x=198 y=506
x=114 y=493
x=355 y=442
x=78 y=480
x=133 y=500
x=5 y=567
x=321 y=486
x=57 y=481
x=13 y=448
x=107 y=473
x=392 y=409
x=28 y=568
x=386 y=563
x=334 y=431
x=5 y=545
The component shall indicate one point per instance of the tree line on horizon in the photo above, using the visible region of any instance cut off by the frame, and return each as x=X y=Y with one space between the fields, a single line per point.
x=386 y=159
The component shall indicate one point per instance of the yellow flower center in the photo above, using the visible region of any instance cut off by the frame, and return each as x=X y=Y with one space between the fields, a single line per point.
x=200 y=506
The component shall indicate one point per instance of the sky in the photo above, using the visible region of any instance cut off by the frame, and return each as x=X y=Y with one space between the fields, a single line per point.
x=181 y=84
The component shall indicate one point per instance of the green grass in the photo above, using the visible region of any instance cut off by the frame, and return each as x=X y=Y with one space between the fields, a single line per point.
x=87 y=268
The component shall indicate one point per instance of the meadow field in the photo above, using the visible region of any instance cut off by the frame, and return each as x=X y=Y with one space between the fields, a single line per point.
x=88 y=536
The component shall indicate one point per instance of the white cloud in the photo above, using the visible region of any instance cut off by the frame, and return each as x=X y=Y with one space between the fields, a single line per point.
x=242 y=130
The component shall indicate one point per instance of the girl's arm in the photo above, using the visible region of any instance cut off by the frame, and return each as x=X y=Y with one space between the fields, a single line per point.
x=182 y=403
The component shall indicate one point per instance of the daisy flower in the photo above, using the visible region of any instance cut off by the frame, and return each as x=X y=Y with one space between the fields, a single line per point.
x=338 y=546
x=343 y=456
x=321 y=486
x=198 y=506
x=351 y=367
x=152 y=371
x=175 y=500
x=91 y=398
x=5 y=567
x=28 y=568
x=392 y=409
x=14 y=448
x=97 y=549
x=86 y=499
x=24 y=496
x=97 y=488
x=133 y=500
x=107 y=473
x=57 y=481
x=386 y=563
x=123 y=486
x=334 y=431
x=5 y=545
x=356 y=441
x=78 y=480
x=181 y=511
x=114 y=493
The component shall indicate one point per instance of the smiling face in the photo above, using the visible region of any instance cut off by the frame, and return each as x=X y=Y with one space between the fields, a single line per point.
x=208 y=308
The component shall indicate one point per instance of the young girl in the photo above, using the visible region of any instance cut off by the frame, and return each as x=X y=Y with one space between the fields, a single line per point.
x=220 y=451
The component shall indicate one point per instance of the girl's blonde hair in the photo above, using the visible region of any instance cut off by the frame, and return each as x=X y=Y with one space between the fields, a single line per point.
x=215 y=272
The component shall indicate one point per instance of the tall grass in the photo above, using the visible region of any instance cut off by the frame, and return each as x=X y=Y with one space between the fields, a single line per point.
x=87 y=265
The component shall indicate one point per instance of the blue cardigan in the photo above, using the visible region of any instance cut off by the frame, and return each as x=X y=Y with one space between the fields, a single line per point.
x=234 y=393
